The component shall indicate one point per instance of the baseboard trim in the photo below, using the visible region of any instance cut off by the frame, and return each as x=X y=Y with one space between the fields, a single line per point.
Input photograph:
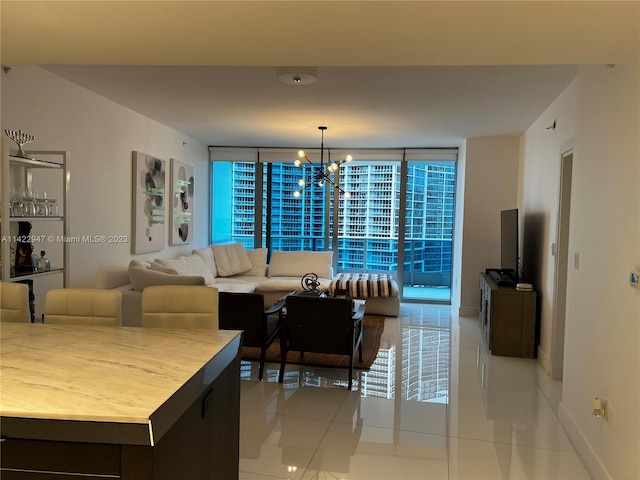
x=584 y=449
x=468 y=312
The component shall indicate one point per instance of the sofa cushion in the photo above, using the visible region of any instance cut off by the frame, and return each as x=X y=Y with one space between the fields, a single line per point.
x=144 y=277
x=206 y=254
x=190 y=265
x=258 y=258
x=231 y=259
x=298 y=263
x=238 y=287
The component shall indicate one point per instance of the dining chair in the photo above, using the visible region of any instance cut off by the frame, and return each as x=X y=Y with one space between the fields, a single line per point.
x=245 y=311
x=14 y=302
x=83 y=306
x=321 y=325
x=180 y=306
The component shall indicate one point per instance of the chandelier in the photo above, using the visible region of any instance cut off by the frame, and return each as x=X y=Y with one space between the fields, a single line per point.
x=319 y=173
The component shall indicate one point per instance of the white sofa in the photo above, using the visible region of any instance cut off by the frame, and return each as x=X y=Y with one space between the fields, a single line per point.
x=232 y=268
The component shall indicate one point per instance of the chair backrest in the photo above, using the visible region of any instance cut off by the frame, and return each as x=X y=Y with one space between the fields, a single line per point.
x=14 y=302
x=320 y=324
x=180 y=306
x=83 y=306
x=243 y=311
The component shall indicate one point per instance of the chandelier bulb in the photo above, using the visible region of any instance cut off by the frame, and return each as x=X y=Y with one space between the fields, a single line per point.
x=346 y=195
x=301 y=154
x=348 y=158
x=297 y=162
x=321 y=183
x=301 y=182
x=297 y=193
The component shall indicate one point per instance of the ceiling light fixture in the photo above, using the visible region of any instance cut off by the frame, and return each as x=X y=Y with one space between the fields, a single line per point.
x=297 y=75
x=319 y=174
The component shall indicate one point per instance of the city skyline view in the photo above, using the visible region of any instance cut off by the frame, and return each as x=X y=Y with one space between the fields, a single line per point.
x=368 y=220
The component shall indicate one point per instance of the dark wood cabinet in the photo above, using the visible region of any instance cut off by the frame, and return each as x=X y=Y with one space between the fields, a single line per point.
x=507 y=319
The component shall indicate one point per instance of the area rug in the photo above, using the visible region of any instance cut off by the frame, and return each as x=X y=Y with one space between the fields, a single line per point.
x=373 y=326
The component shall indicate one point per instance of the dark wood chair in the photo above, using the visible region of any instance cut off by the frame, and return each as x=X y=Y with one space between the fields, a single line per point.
x=321 y=325
x=245 y=311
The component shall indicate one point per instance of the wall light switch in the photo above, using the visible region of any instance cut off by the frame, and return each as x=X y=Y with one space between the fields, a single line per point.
x=634 y=279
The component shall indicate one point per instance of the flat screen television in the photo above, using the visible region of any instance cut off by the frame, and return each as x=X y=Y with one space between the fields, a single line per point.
x=509 y=245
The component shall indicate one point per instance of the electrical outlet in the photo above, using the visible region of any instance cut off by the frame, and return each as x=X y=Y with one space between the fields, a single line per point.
x=599 y=407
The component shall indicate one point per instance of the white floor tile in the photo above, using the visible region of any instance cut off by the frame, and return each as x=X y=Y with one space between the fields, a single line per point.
x=276 y=445
x=360 y=452
x=435 y=405
x=478 y=460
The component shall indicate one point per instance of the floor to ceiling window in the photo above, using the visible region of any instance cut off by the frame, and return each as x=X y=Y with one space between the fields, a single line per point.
x=398 y=218
x=428 y=236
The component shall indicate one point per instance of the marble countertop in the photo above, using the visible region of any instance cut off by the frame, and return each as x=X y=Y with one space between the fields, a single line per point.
x=114 y=375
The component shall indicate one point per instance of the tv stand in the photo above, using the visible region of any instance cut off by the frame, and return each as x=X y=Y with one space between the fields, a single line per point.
x=507 y=319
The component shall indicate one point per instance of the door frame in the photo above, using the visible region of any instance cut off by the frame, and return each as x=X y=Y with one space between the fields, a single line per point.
x=561 y=261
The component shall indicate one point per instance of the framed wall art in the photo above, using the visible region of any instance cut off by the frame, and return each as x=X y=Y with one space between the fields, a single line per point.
x=149 y=186
x=182 y=186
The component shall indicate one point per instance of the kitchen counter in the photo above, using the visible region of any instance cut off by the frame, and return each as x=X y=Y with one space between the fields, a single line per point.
x=121 y=386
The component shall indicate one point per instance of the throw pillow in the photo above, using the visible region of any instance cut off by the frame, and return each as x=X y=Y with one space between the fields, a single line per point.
x=144 y=277
x=161 y=268
x=191 y=265
x=206 y=254
x=298 y=263
x=139 y=263
x=231 y=259
x=258 y=258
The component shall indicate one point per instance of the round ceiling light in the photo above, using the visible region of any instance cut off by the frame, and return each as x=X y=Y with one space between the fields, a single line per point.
x=297 y=75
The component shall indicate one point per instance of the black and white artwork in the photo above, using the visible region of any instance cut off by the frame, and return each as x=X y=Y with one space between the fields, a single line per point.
x=149 y=186
x=182 y=186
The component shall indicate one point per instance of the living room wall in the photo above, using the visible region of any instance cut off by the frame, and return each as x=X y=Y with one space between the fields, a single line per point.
x=100 y=136
x=490 y=185
x=602 y=330
x=539 y=181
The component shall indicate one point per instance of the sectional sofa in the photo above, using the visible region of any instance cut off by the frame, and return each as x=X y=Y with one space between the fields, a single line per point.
x=232 y=268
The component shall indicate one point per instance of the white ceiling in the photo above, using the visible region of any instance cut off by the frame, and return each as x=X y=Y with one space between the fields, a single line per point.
x=363 y=107
x=391 y=73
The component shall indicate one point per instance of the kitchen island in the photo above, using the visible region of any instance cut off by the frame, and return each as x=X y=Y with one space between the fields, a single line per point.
x=118 y=402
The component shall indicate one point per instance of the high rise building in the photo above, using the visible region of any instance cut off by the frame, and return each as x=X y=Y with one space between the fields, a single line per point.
x=369 y=220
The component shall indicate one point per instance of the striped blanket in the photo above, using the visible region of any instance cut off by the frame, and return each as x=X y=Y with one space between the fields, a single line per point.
x=363 y=285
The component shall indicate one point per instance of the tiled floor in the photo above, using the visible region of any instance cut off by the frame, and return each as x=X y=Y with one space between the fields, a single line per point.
x=435 y=405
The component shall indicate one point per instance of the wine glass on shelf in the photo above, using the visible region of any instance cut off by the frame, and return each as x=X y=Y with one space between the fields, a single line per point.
x=29 y=203
x=42 y=208
x=17 y=203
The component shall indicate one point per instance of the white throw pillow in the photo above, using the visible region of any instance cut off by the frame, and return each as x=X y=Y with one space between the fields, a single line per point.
x=139 y=263
x=155 y=266
x=231 y=259
x=206 y=254
x=191 y=265
x=258 y=258
x=143 y=277
x=298 y=263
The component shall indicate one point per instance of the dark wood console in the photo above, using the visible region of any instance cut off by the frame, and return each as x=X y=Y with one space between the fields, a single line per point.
x=507 y=319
